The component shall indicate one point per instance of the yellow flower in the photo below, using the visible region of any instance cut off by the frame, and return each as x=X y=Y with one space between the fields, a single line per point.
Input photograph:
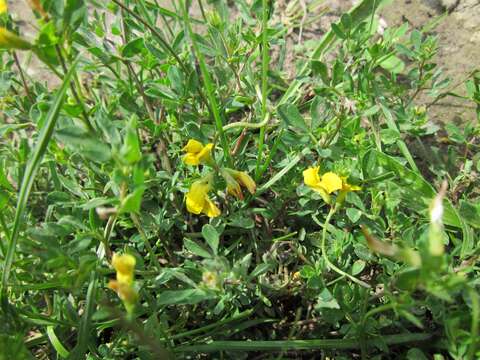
x=197 y=153
x=330 y=182
x=245 y=180
x=9 y=40
x=124 y=265
x=198 y=201
x=236 y=178
x=233 y=187
x=346 y=188
x=125 y=292
x=3 y=6
x=327 y=183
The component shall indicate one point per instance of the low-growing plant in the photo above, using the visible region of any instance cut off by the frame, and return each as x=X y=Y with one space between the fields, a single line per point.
x=174 y=192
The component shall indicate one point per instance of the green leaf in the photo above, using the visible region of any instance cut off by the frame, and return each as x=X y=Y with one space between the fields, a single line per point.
x=134 y=47
x=131 y=152
x=358 y=267
x=326 y=301
x=196 y=249
x=241 y=221
x=133 y=201
x=291 y=117
x=353 y=214
x=393 y=64
x=389 y=136
x=211 y=236
x=319 y=68
x=184 y=297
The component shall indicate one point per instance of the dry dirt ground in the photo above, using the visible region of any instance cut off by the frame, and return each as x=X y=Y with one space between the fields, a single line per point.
x=458 y=34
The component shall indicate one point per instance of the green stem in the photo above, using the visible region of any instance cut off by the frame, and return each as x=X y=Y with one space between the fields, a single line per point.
x=265 y=62
x=247 y=125
x=208 y=87
x=79 y=101
x=325 y=256
x=138 y=225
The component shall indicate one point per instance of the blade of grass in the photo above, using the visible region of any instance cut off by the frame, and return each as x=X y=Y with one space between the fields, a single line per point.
x=265 y=62
x=84 y=331
x=30 y=172
x=59 y=348
x=286 y=345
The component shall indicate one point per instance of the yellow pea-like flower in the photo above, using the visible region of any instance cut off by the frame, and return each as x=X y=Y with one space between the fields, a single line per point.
x=9 y=40
x=125 y=292
x=124 y=265
x=198 y=201
x=235 y=179
x=330 y=182
x=196 y=153
x=327 y=183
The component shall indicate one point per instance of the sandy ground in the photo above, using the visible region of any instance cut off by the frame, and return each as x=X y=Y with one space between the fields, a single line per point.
x=458 y=34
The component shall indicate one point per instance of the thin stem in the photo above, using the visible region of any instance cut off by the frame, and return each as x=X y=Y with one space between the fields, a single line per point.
x=208 y=87
x=22 y=76
x=247 y=125
x=79 y=101
x=138 y=225
x=325 y=256
x=106 y=236
x=265 y=63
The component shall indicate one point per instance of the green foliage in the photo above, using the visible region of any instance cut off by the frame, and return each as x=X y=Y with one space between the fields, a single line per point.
x=382 y=266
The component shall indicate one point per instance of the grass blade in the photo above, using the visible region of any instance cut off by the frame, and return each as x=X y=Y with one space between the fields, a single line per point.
x=287 y=345
x=29 y=176
x=59 y=348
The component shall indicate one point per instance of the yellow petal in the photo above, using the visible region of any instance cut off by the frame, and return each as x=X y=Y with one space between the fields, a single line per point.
x=210 y=209
x=233 y=188
x=191 y=159
x=193 y=146
x=125 y=292
x=348 y=187
x=247 y=181
x=3 y=6
x=197 y=196
x=124 y=265
x=310 y=176
x=204 y=154
x=9 y=40
x=331 y=182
